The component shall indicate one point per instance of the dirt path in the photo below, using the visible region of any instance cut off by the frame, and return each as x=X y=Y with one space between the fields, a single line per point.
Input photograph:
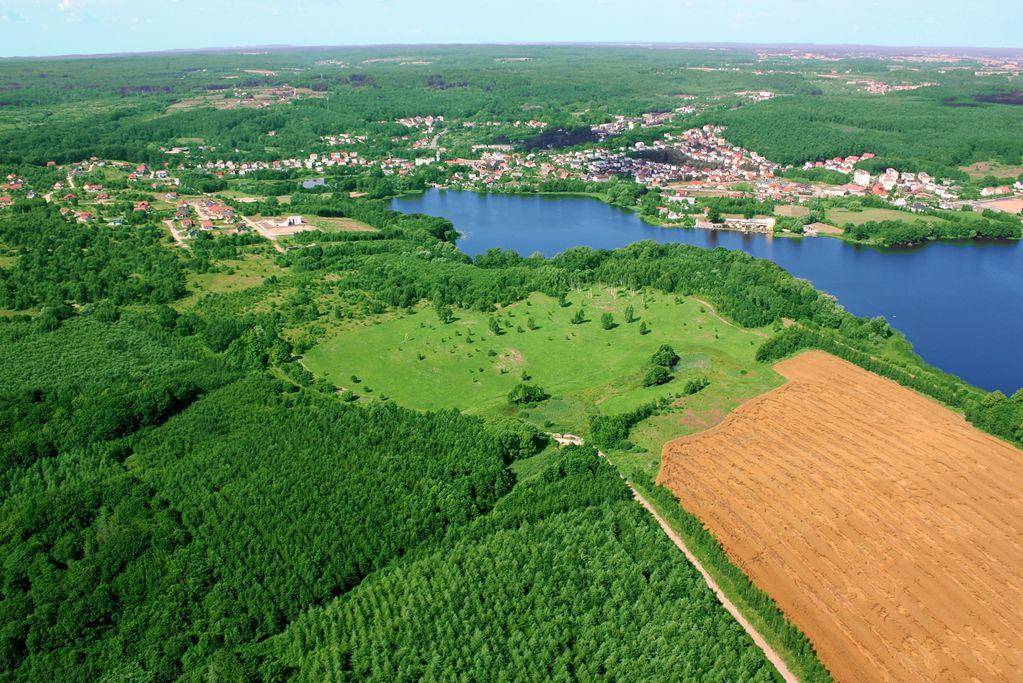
x=259 y=230
x=758 y=639
x=175 y=234
x=714 y=312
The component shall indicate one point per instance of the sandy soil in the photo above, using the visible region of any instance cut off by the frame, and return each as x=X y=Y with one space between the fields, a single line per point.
x=883 y=524
x=983 y=168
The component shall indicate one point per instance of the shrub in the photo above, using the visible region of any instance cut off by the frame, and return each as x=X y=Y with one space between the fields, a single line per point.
x=527 y=394
x=664 y=356
x=657 y=374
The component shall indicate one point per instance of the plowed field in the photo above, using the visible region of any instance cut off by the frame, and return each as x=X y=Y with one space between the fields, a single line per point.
x=884 y=525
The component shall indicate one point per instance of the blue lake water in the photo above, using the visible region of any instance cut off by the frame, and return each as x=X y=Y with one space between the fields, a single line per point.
x=960 y=304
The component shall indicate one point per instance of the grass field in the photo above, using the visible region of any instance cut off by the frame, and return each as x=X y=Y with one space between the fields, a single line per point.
x=883 y=524
x=840 y=217
x=420 y=362
x=338 y=224
x=238 y=274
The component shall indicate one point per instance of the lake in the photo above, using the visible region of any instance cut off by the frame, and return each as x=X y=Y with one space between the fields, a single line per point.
x=960 y=304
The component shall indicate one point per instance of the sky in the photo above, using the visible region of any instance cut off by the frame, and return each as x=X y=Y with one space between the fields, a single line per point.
x=52 y=27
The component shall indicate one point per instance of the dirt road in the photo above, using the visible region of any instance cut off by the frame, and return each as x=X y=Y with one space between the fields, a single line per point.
x=758 y=640
x=175 y=234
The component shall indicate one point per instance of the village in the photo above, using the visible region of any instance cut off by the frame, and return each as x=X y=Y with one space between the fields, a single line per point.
x=683 y=166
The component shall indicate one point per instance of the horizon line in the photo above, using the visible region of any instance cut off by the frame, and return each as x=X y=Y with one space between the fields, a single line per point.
x=696 y=45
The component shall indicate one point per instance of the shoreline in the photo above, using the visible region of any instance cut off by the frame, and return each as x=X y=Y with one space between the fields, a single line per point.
x=653 y=221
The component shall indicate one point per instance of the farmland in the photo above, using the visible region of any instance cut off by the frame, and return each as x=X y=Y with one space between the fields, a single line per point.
x=853 y=502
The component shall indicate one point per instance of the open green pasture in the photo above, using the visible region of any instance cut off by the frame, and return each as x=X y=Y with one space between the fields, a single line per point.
x=421 y=362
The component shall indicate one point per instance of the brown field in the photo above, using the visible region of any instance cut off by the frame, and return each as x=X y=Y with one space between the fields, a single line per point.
x=984 y=168
x=883 y=524
x=825 y=229
x=791 y=210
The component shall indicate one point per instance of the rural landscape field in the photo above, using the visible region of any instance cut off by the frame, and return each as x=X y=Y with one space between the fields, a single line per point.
x=526 y=343
x=854 y=502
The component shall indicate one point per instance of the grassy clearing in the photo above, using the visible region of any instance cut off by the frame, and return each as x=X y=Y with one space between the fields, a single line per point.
x=995 y=168
x=840 y=217
x=237 y=275
x=338 y=224
x=420 y=362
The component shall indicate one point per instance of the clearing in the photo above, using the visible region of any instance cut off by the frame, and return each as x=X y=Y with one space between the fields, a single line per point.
x=840 y=217
x=420 y=362
x=791 y=210
x=884 y=525
x=995 y=168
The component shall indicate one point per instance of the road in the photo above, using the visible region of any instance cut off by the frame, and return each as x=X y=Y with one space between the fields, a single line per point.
x=175 y=234
x=260 y=230
x=758 y=639
x=754 y=635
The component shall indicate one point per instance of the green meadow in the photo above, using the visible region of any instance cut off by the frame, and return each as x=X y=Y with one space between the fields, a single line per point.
x=419 y=361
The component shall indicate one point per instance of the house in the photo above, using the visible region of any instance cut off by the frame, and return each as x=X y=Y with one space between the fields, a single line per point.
x=143 y=206
x=6 y=201
x=206 y=225
x=861 y=178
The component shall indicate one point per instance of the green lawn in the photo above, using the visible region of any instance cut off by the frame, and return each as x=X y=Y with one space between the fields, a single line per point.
x=420 y=362
x=840 y=217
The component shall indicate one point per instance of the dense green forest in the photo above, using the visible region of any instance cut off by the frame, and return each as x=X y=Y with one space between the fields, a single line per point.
x=927 y=130
x=566 y=579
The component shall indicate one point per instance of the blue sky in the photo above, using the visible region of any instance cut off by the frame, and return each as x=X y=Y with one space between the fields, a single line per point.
x=46 y=27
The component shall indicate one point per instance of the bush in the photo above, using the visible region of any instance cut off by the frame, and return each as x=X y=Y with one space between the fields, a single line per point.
x=657 y=374
x=527 y=394
x=665 y=356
